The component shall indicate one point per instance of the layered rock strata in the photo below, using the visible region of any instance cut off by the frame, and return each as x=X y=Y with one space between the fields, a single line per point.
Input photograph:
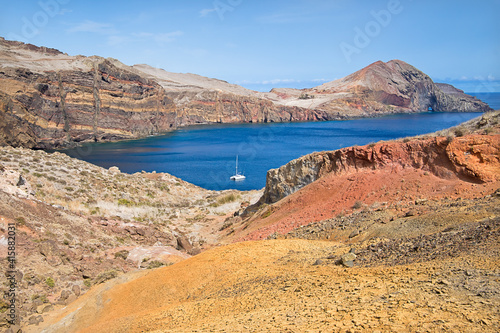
x=49 y=99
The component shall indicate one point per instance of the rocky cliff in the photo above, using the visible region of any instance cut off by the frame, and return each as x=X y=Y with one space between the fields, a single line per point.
x=49 y=99
x=97 y=101
x=382 y=88
x=442 y=156
x=380 y=182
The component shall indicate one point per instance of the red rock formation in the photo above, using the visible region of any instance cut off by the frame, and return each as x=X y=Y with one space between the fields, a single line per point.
x=321 y=185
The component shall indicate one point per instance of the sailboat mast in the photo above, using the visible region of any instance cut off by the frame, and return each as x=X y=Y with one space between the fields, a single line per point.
x=236 y=164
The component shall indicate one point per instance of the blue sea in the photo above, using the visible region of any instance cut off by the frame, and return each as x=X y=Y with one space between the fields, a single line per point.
x=492 y=98
x=205 y=155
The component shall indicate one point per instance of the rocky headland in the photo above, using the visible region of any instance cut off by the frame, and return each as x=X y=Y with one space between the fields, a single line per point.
x=49 y=99
x=460 y=162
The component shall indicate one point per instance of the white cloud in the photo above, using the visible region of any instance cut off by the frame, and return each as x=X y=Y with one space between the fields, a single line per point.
x=160 y=38
x=118 y=40
x=167 y=37
x=279 y=81
x=207 y=11
x=321 y=80
x=276 y=81
x=94 y=27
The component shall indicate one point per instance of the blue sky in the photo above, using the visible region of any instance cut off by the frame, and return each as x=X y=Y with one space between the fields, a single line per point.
x=265 y=44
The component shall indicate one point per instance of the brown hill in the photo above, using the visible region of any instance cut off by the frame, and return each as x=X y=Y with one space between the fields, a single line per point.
x=381 y=88
x=49 y=99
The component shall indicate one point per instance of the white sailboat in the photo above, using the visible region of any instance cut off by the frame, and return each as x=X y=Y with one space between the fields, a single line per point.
x=237 y=176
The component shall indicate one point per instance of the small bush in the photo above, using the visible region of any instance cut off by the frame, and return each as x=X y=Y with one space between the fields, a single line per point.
x=227 y=199
x=460 y=131
x=358 y=204
x=20 y=220
x=306 y=96
x=122 y=254
x=125 y=202
x=105 y=276
x=162 y=187
x=42 y=298
x=50 y=282
x=267 y=213
x=155 y=264
x=3 y=306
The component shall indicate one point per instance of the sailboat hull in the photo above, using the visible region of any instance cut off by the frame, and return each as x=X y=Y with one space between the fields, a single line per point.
x=237 y=177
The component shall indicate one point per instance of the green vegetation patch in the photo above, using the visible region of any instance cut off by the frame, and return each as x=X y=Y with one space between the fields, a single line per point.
x=50 y=282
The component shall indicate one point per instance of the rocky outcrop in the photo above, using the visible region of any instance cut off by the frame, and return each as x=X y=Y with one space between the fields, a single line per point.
x=220 y=107
x=77 y=105
x=50 y=99
x=392 y=87
x=474 y=158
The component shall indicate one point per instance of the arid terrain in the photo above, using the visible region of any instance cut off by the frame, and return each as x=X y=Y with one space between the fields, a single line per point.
x=79 y=225
x=397 y=236
x=393 y=236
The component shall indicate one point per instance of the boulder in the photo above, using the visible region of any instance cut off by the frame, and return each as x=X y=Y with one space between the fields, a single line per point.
x=76 y=290
x=114 y=169
x=35 y=320
x=348 y=259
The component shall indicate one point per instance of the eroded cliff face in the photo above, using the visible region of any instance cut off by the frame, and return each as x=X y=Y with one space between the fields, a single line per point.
x=63 y=100
x=100 y=103
x=220 y=107
x=49 y=99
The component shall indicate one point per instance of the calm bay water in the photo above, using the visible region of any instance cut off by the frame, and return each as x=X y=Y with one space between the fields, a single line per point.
x=205 y=155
